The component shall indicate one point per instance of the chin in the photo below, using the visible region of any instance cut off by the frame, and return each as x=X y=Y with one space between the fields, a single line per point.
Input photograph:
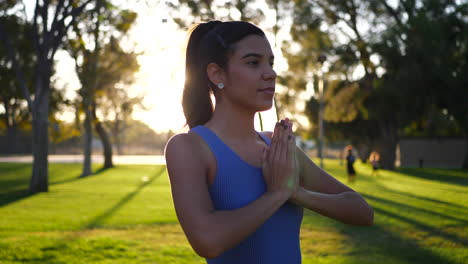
x=265 y=107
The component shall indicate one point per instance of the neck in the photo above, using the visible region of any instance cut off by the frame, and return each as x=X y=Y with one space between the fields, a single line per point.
x=232 y=122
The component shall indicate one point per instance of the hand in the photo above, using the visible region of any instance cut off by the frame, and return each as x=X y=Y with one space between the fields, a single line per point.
x=279 y=165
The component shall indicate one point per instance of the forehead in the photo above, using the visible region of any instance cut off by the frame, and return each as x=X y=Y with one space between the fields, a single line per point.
x=253 y=44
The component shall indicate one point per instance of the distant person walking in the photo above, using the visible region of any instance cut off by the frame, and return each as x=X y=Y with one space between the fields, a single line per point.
x=350 y=159
x=374 y=159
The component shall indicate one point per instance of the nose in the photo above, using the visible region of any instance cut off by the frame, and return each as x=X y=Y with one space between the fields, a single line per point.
x=269 y=74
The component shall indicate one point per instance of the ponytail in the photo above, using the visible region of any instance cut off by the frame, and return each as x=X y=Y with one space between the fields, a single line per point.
x=208 y=42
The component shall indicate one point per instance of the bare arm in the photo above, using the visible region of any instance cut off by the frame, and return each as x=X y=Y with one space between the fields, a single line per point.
x=210 y=232
x=322 y=193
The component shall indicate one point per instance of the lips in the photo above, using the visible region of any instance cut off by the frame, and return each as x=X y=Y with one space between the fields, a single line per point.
x=268 y=89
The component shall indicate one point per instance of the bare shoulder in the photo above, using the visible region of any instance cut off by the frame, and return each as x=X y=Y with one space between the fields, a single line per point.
x=185 y=149
x=177 y=144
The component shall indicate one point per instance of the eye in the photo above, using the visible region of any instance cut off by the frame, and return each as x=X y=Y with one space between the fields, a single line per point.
x=253 y=62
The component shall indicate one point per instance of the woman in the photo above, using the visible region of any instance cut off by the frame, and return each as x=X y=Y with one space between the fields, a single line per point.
x=239 y=194
x=374 y=159
x=350 y=159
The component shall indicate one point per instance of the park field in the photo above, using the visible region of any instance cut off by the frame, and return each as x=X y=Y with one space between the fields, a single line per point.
x=125 y=215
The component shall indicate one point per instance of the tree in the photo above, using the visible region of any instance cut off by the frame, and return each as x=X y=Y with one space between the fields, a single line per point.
x=116 y=73
x=427 y=50
x=47 y=35
x=117 y=107
x=410 y=61
x=104 y=24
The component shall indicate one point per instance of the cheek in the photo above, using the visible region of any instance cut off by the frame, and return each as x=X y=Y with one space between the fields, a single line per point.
x=243 y=78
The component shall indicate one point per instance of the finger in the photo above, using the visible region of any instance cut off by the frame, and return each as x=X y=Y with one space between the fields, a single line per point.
x=274 y=140
x=292 y=149
x=264 y=160
x=287 y=137
x=275 y=154
x=291 y=141
x=282 y=153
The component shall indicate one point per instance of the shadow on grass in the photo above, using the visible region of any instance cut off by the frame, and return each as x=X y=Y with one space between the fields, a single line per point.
x=15 y=185
x=411 y=195
x=98 y=220
x=14 y=182
x=368 y=245
x=76 y=244
x=405 y=207
x=79 y=177
x=421 y=226
x=453 y=176
x=379 y=242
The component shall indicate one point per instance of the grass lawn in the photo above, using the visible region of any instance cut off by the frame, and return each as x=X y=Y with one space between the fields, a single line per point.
x=125 y=215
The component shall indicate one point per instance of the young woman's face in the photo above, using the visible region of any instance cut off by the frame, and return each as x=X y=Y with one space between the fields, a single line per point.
x=250 y=78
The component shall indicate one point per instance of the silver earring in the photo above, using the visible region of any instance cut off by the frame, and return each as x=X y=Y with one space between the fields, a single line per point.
x=220 y=85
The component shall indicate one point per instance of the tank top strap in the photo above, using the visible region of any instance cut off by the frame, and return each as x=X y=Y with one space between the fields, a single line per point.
x=212 y=140
x=265 y=138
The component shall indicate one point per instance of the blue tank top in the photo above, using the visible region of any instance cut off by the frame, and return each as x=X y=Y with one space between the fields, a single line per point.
x=237 y=184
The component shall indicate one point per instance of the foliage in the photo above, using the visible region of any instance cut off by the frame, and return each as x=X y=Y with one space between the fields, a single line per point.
x=412 y=57
x=205 y=10
x=16 y=111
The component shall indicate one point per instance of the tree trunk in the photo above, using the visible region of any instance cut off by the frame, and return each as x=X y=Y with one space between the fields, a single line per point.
x=107 y=147
x=88 y=135
x=40 y=143
x=12 y=140
x=364 y=150
x=465 y=161
x=117 y=136
x=388 y=154
x=10 y=143
x=106 y=144
x=388 y=144
x=88 y=95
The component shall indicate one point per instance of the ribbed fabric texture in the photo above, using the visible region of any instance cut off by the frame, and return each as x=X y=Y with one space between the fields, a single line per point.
x=237 y=184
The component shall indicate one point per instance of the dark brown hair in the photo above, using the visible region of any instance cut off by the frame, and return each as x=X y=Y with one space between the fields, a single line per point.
x=209 y=42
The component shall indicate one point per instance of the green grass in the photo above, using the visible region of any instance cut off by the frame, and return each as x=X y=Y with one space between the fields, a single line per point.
x=126 y=215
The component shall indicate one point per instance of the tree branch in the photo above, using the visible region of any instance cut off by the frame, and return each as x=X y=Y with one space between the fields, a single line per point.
x=35 y=31
x=24 y=11
x=58 y=9
x=392 y=12
x=45 y=18
x=75 y=12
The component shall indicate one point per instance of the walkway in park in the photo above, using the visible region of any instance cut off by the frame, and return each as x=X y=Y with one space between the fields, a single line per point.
x=124 y=159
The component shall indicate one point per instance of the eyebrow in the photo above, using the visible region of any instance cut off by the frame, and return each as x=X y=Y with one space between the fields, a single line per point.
x=252 y=54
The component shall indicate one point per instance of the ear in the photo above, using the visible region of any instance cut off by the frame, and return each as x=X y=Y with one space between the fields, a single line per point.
x=215 y=73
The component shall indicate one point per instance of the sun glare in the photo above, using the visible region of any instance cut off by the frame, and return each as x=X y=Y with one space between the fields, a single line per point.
x=161 y=75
